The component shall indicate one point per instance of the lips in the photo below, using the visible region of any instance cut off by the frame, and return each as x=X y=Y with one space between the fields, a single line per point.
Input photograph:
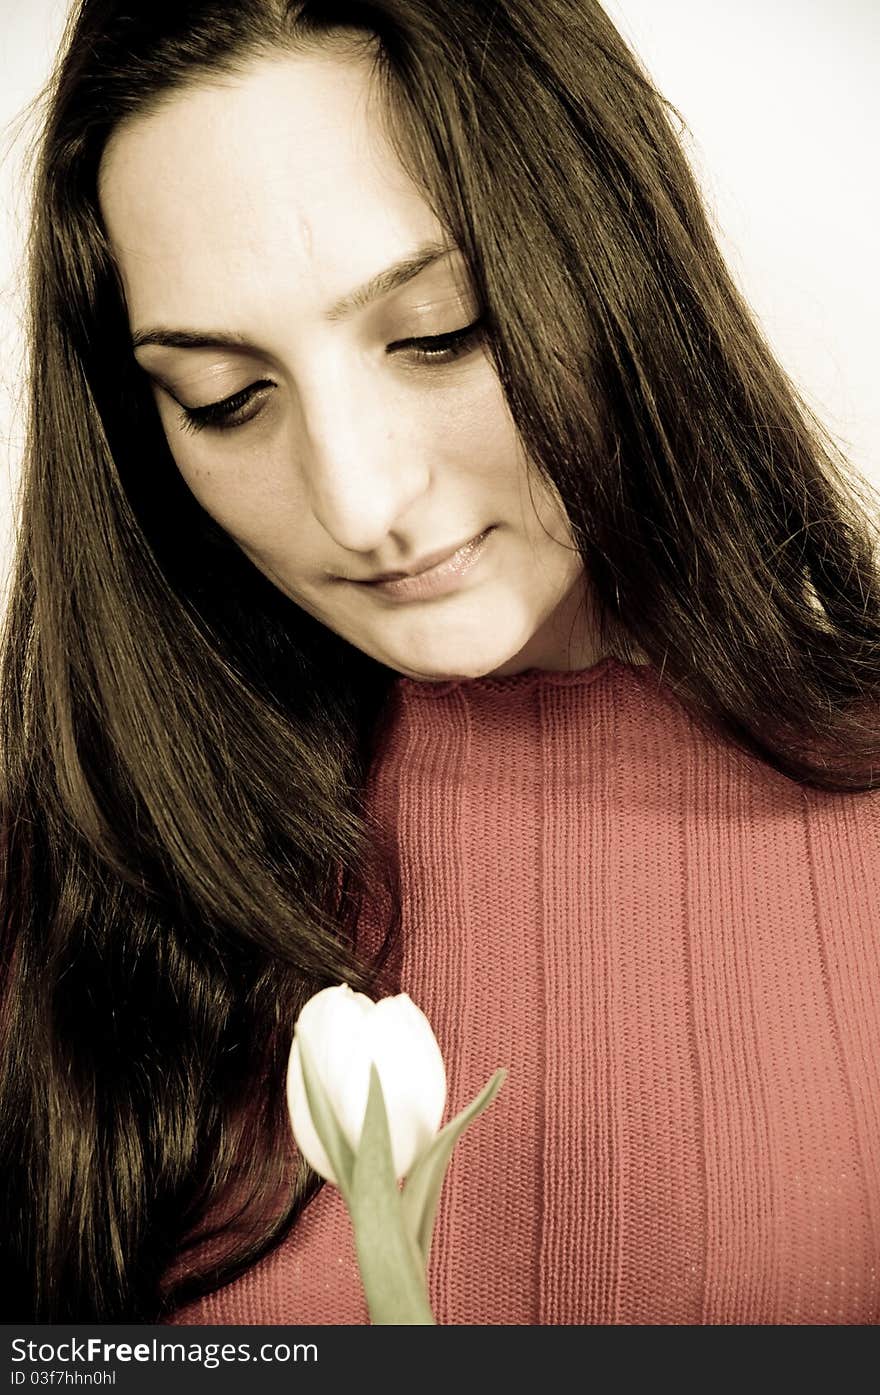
x=446 y=576
x=425 y=564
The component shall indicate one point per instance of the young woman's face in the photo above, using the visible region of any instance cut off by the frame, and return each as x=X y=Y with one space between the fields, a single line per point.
x=278 y=261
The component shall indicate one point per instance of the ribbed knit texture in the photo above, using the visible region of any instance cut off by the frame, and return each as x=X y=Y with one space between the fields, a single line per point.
x=675 y=951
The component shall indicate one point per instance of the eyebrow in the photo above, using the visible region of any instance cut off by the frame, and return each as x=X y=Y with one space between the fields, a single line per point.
x=390 y=279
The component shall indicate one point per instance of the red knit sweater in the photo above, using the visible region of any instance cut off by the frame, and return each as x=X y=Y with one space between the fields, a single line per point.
x=675 y=951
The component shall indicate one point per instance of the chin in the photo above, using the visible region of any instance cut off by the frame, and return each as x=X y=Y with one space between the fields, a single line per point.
x=449 y=669
x=442 y=674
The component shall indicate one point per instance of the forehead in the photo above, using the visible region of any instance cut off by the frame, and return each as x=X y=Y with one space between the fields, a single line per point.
x=280 y=176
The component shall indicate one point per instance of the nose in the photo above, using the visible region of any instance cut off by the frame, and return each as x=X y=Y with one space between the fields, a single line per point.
x=364 y=464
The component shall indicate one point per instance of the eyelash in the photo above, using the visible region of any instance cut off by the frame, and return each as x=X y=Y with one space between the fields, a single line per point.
x=433 y=349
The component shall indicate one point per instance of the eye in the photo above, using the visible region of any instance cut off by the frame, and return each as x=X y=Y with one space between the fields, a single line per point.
x=230 y=412
x=441 y=348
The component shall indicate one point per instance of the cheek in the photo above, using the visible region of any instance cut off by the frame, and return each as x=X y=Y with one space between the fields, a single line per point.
x=250 y=491
x=474 y=428
x=481 y=434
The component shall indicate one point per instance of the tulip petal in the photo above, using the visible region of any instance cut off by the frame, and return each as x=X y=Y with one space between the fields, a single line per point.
x=410 y=1065
x=333 y=1022
x=301 y=1121
x=326 y=1125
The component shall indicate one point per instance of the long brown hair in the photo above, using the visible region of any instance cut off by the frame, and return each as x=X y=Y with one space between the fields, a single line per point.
x=186 y=845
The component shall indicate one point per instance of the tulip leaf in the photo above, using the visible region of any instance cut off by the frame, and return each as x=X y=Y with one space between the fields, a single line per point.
x=327 y=1126
x=392 y=1273
x=421 y=1191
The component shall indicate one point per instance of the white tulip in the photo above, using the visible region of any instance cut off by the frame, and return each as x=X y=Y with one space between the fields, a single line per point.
x=344 y=1033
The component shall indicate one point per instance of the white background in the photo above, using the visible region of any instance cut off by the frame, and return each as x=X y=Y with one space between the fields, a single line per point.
x=782 y=101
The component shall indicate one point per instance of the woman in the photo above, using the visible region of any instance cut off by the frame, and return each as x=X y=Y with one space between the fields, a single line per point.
x=326 y=292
